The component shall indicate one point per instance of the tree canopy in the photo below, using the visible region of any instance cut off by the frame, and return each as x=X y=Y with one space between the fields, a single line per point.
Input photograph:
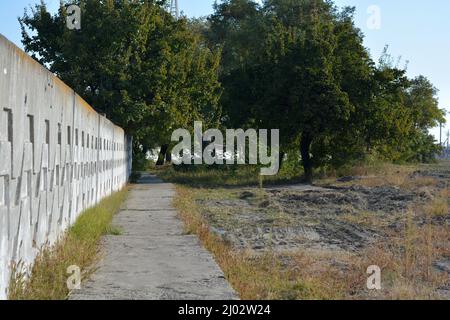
x=301 y=66
x=132 y=61
x=295 y=65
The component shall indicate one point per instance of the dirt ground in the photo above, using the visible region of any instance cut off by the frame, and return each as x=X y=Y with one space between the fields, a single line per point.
x=345 y=216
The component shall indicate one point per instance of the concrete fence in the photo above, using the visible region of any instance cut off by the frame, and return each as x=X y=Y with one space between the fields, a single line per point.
x=58 y=157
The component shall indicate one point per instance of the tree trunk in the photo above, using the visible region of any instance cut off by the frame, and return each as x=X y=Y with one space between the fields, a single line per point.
x=282 y=156
x=168 y=156
x=305 y=146
x=162 y=155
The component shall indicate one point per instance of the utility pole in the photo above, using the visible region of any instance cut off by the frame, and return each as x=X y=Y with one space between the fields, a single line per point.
x=440 y=133
x=448 y=140
x=174 y=9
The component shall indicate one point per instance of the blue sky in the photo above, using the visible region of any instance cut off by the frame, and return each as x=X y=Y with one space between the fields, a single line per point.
x=416 y=30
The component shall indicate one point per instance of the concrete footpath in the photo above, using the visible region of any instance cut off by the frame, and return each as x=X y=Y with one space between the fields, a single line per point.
x=153 y=258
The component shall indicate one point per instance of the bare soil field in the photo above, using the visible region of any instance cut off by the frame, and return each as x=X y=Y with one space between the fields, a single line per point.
x=331 y=232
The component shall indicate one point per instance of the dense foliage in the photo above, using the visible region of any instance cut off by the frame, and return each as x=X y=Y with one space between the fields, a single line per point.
x=300 y=66
x=132 y=61
x=295 y=65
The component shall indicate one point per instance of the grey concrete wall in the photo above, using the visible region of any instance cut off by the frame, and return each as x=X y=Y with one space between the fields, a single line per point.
x=58 y=157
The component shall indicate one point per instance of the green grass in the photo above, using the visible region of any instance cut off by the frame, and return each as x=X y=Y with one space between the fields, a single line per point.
x=203 y=176
x=114 y=231
x=79 y=247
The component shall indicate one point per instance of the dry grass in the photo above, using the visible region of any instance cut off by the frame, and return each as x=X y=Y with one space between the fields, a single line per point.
x=369 y=175
x=386 y=174
x=406 y=258
x=78 y=247
x=376 y=169
x=369 y=219
x=399 y=179
x=392 y=175
x=407 y=262
x=439 y=206
x=258 y=276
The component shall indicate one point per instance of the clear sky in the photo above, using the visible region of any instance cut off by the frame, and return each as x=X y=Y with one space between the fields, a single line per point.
x=416 y=30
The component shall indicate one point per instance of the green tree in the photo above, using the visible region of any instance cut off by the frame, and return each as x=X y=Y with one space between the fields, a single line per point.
x=293 y=64
x=132 y=61
x=423 y=106
x=301 y=66
x=400 y=114
x=237 y=28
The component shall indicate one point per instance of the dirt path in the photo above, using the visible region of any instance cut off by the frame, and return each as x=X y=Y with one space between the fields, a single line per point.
x=153 y=258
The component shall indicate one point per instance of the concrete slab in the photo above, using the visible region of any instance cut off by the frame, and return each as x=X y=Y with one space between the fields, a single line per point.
x=153 y=258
